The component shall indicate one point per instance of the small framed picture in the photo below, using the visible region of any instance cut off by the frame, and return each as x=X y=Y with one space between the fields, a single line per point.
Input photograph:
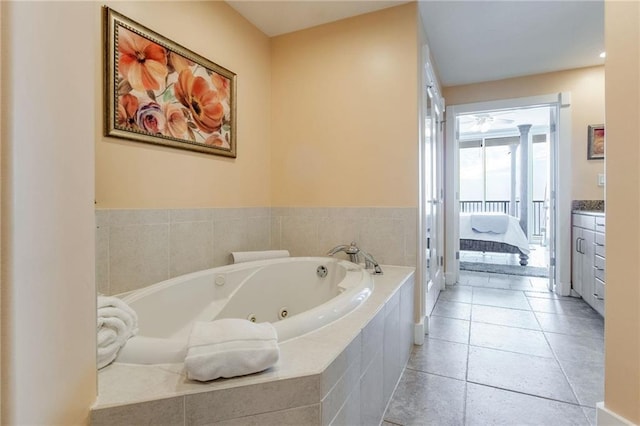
x=595 y=147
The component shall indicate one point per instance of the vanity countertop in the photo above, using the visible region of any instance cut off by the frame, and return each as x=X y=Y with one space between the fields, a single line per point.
x=589 y=212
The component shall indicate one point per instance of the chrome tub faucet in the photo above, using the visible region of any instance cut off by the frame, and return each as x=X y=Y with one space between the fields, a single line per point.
x=353 y=251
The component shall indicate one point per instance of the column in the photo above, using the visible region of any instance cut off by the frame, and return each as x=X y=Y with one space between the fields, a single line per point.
x=524 y=177
x=512 y=198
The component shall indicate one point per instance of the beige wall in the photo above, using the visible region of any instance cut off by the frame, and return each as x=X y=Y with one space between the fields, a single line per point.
x=344 y=112
x=48 y=127
x=622 y=327
x=135 y=175
x=587 y=107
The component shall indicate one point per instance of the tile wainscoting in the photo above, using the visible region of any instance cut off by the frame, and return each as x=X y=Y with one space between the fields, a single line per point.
x=136 y=248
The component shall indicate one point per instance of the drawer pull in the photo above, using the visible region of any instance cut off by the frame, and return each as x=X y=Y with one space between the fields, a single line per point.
x=597 y=296
x=598 y=244
x=599 y=269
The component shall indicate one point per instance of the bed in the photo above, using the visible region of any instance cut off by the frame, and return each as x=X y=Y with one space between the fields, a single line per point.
x=499 y=233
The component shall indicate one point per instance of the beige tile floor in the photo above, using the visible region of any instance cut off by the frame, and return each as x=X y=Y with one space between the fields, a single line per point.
x=503 y=351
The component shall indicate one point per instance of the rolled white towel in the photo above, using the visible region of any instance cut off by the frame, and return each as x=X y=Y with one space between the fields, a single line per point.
x=248 y=256
x=117 y=322
x=230 y=347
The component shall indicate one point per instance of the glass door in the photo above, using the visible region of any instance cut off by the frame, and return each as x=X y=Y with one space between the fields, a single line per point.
x=433 y=196
x=427 y=207
x=550 y=198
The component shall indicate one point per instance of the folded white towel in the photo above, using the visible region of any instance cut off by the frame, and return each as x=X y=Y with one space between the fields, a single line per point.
x=117 y=322
x=230 y=347
x=248 y=256
x=490 y=222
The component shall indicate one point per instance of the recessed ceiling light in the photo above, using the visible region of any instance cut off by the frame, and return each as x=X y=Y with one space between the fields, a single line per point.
x=603 y=54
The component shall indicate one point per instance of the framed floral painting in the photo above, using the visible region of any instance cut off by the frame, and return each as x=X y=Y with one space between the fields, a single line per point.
x=595 y=144
x=159 y=92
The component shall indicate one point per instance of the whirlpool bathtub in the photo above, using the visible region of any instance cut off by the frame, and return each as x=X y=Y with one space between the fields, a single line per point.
x=296 y=295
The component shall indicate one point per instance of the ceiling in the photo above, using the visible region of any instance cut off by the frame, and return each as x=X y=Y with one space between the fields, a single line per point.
x=470 y=41
x=280 y=17
x=504 y=123
x=474 y=41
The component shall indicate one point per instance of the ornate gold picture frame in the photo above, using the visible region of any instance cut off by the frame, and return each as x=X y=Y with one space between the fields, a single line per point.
x=159 y=92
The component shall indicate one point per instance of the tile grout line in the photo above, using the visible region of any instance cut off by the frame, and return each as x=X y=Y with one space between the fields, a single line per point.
x=435 y=374
x=529 y=394
x=573 y=391
x=564 y=374
x=510 y=352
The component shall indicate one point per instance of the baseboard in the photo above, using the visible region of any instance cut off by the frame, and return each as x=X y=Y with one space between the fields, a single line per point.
x=563 y=289
x=450 y=278
x=418 y=333
x=606 y=417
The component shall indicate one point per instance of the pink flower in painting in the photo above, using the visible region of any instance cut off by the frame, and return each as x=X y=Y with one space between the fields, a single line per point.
x=203 y=103
x=216 y=139
x=178 y=62
x=150 y=118
x=127 y=109
x=221 y=84
x=142 y=62
x=176 y=124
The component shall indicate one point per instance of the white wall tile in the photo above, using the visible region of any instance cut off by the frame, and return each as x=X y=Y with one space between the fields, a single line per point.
x=258 y=212
x=276 y=232
x=230 y=234
x=308 y=415
x=190 y=215
x=372 y=339
x=333 y=231
x=258 y=233
x=138 y=256
x=102 y=259
x=102 y=218
x=407 y=297
x=384 y=239
x=299 y=235
x=230 y=213
x=190 y=247
x=349 y=413
x=372 y=402
x=392 y=367
x=141 y=256
x=336 y=397
x=138 y=217
x=341 y=364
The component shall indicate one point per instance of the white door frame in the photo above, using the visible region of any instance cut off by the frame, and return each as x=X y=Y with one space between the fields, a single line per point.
x=428 y=82
x=562 y=101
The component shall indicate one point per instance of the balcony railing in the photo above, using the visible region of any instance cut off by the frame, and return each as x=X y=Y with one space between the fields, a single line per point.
x=502 y=206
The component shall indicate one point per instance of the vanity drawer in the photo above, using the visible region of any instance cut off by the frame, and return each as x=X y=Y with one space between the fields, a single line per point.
x=584 y=221
x=598 y=268
x=598 y=245
x=599 y=291
x=600 y=224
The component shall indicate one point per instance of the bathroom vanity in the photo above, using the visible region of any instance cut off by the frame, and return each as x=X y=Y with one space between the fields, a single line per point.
x=588 y=276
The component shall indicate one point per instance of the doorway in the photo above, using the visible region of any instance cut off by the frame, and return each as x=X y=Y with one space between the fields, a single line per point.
x=495 y=166
x=505 y=177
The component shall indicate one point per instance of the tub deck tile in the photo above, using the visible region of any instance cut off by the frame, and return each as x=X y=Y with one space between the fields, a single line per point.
x=218 y=405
